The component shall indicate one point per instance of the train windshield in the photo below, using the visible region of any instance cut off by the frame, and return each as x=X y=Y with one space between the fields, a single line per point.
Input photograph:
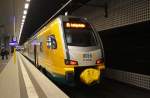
x=80 y=36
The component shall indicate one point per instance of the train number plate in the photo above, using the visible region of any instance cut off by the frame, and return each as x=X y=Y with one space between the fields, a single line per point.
x=87 y=57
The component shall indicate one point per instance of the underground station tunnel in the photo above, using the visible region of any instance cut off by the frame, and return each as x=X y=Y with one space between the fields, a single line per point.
x=74 y=49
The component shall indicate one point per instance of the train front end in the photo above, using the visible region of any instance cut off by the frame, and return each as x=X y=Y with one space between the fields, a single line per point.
x=84 y=51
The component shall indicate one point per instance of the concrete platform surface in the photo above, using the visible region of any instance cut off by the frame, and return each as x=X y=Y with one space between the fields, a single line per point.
x=23 y=80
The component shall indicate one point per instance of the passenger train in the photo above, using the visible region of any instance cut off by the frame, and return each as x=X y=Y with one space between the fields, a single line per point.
x=69 y=49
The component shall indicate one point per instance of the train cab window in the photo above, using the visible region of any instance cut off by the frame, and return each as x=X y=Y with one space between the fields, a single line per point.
x=79 y=34
x=80 y=37
x=51 y=42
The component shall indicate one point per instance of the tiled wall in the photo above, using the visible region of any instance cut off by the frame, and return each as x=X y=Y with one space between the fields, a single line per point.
x=120 y=13
x=124 y=12
x=129 y=77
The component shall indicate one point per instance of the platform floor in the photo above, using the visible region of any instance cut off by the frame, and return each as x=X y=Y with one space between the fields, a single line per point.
x=3 y=63
x=23 y=80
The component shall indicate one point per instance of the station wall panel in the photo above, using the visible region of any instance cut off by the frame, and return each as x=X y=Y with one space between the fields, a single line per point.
x=136 y=79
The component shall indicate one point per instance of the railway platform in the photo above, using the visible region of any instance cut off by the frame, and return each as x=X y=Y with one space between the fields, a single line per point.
x=20 y=79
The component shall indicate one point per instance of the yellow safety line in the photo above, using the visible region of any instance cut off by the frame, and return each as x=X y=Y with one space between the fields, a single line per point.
x=14 y=55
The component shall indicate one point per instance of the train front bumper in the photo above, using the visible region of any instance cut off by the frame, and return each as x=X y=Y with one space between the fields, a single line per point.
x=85 y=75
x=90 y=76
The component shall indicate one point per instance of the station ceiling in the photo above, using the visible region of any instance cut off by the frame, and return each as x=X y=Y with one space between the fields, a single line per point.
x=39 y=12
x=9 y=9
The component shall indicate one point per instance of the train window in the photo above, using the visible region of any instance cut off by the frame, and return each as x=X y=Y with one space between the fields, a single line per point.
x=48 y=42
x=51 y=42
x=80 y=37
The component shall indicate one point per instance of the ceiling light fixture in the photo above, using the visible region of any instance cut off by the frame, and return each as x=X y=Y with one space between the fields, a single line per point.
x=23 y=20
x=23 y=16
x=28 y=0
x=26 y=6
x=25 y=12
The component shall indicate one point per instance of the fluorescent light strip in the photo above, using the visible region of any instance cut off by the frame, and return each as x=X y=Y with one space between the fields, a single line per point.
x=23 y=20
x=26 y=6
x=23 y=16
x=25 y=12
x=28 y=0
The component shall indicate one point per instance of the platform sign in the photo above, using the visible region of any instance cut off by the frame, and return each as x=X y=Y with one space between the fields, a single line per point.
x=14 y=39
x=13 y=43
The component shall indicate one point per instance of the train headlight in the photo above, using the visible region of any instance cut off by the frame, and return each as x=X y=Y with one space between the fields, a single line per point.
x=99 y=61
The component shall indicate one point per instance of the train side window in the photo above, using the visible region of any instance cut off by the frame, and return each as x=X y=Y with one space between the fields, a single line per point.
x=51 y=42
x=48 y=42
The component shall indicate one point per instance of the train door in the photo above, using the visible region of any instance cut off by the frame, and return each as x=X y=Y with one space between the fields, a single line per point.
x=35 y=56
